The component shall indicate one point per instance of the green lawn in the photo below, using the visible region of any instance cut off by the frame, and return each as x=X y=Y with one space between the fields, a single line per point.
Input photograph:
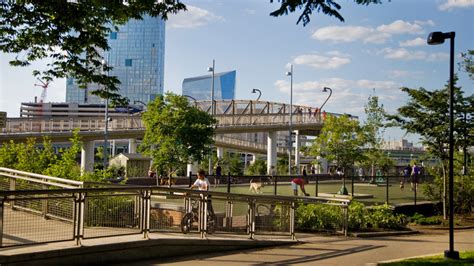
x=466 y=258
x=379 y=193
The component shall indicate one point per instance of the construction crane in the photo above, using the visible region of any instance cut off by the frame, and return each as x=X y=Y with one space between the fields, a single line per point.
x=43 y=85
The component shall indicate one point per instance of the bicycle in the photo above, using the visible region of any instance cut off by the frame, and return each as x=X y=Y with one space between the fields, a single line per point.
x=193 y=216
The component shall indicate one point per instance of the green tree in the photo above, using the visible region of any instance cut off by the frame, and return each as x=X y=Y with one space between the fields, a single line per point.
x=176 y=133
x=341 y=141
x=66 y=166
x=327 y=7
x=427 y=114
x=467 y=65
x=373 y=130
x=259 y=167
x=73 y=35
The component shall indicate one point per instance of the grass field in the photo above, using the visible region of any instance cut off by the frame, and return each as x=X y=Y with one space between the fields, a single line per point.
x=465 y=258
x=379 y=193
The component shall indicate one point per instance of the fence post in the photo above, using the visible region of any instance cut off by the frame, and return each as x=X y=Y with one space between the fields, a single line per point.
x=275 y=185
x=251 y=218
x=228 y=183
x=190 y=178
x=79 y=200
x=44 y=202
x=145 y=219
x=228 y=214
x=352 y=186
x=12 y=188
x=2 y=205
x=345 y=224
x=386 y=190
x=316 y=186
x=292 y=221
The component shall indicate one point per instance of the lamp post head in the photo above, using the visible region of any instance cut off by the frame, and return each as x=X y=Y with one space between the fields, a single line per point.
x=438 y=37
x=325 y=89
x=289 y=73
x=210 y=69
x=254 y=91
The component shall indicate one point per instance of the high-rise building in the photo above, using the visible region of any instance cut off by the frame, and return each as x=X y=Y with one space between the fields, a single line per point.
x=200 y=87
x=136 y=54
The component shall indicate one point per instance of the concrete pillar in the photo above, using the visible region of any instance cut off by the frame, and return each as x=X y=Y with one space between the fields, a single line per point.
x=254 y=158
x=220 y=153
x=112 y=148
x=297 y=151
x=132 y=146
x=323 y=167
x=271 y=150
x=87 y=157
x=191 y=167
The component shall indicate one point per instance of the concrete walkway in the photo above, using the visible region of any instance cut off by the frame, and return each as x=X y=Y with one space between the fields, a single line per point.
x=333 y=250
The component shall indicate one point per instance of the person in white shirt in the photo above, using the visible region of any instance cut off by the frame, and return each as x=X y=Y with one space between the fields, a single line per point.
x=202 y=184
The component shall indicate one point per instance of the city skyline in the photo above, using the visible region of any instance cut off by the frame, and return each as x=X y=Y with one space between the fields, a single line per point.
x=381 y=47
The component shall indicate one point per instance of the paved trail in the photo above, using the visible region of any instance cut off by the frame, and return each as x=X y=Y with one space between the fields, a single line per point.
x=333 y=250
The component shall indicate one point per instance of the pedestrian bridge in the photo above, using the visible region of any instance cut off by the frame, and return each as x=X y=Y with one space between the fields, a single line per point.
x=233 y=116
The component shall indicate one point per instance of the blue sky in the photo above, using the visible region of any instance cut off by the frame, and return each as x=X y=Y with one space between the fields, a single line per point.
x=378 y=46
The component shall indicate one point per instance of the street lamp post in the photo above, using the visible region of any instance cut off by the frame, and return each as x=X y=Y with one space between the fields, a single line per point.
x=290 y=139
x=212 y=69
x=433 y=39
x=325 y=89
x=106 y=130
x=259 y=91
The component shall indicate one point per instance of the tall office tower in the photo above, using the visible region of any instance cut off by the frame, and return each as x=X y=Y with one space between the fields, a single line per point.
x=200 y=87
x=136 y=53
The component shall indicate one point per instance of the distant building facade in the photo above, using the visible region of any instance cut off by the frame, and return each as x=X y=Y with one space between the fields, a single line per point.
x=136 y=54
x=200 y=87
x=70 y=110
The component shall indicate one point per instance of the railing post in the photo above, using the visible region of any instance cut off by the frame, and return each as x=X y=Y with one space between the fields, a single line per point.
x=229 y=214
x=12 y=188
x=79 y=202
x=251 y=218
x=228 y=183
x=202 y=215
x=345 y=223
x=2 y=205
x=292 y=220
x=275 y=185
x=316 y=186
x=44 y=203
x=190 y=178
x=145 y=218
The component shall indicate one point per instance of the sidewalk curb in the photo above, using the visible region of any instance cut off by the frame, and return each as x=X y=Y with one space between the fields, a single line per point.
x=407 y=258
x=380 y=234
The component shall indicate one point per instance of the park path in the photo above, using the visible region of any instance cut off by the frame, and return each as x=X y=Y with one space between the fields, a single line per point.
x=334 y=250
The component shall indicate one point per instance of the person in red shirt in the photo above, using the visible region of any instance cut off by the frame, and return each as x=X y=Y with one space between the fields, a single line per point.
x=298 y=181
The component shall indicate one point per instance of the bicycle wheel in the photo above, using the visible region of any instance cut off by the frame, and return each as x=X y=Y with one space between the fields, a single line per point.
x=211 y=223
x=187 y=223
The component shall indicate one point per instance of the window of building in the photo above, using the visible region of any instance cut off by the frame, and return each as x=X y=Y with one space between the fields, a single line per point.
x=128 y=62
x=113 y=35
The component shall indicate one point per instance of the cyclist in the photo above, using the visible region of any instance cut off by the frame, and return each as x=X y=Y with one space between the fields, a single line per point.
x=202 y=184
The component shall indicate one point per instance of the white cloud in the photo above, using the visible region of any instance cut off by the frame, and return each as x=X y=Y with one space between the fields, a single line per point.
x=415 y=42
x=400 y=73
x=400 y=27
x=249 y=11
x=450 y=4
x=348 y=95
x=404 y=54
x=322 y=62
x=193 y=18
x=375 y=35
x=348 y=34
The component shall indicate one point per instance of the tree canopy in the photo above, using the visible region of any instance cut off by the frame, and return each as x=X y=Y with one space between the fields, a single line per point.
x=73 y=34
x=327 y=7
x=176 y=133
x=427 y=114
x=341 y=141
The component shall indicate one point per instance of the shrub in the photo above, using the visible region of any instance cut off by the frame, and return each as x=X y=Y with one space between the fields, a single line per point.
x=318 y=217
x=422 y=220
x=357 y=216
x=382 y=216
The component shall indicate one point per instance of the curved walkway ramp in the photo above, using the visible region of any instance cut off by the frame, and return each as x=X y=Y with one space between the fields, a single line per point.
x=62 y=221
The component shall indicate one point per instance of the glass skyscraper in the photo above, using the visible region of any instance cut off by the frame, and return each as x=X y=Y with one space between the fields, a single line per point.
x=200 y=87
x=136 y=53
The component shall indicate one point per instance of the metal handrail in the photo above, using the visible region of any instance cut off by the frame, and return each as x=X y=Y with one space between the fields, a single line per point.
x=41 y=179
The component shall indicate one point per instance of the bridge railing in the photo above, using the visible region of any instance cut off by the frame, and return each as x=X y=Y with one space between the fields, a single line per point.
x=83 y=213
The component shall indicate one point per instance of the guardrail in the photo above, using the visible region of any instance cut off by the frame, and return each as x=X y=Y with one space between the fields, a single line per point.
x=73 y=214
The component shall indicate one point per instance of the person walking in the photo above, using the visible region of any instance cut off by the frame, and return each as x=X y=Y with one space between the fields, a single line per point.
x=405 y=176
x=415 y=173
x=217 y=178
